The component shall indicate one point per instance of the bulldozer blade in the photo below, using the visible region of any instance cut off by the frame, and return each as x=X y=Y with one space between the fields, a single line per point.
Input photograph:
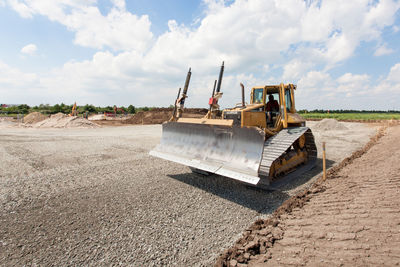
x=234 y=152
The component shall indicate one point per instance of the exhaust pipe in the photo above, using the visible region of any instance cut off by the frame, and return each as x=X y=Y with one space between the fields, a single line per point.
x=243 y=102
x=221 y=73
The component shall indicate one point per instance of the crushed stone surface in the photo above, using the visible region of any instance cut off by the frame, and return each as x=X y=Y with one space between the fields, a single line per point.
x=95 y=197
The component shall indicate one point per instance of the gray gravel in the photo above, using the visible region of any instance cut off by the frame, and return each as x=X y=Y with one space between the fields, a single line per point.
x=95 y=197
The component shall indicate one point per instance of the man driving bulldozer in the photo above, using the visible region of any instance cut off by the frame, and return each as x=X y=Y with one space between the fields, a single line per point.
x=272 y=106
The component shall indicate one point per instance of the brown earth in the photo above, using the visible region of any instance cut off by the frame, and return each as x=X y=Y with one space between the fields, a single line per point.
x=34 y=117
x=154 y=116
x=160 y=115
x=351 y=219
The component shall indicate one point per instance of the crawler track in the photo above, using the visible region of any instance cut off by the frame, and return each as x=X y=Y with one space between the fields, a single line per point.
x=276 y=146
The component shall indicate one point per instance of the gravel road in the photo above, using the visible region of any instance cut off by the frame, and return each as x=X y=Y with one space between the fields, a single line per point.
x=95 y=197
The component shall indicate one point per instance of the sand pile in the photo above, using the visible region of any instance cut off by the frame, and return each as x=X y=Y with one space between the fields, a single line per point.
x=61 y=120
x=330 y=125
x=34 y=117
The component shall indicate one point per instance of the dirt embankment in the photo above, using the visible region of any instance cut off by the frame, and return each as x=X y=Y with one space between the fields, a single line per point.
x=34 y=117
x=258 y=240
x=160 y=115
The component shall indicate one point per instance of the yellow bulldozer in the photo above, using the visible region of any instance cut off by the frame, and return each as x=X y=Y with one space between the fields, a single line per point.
x=257 y=143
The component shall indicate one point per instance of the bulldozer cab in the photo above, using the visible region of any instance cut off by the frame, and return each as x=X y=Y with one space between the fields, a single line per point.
x=268 y=113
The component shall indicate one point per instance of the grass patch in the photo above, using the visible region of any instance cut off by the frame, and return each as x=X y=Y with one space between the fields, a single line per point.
x=352 y=116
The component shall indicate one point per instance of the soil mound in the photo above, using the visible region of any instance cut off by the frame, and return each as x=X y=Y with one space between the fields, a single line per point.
x=61 y=120
x=160 y=115
x=34 y=117
x=330 y=125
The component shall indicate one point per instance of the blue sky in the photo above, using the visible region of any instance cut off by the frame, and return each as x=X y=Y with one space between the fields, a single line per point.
x=341 y=54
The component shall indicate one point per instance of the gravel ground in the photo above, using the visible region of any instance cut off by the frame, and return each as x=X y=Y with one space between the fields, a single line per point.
x=95 y=197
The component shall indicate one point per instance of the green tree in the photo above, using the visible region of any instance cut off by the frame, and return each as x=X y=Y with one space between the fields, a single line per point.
x=56 y=108
x=89 y=108
x=23 y=108
x=131 y=109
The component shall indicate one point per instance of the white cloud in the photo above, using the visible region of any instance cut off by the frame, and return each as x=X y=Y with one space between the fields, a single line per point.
x=120 y=4
x=394 y=74
x=353 y=85
x=12 y=77
x=253 y=31
x=29 y=49
x=118 y=30
x=383 y=50
x=353 y=78
x=349 y=91
x=22 y=9
x=295 y=69
x=315 y=81
x=261 y=41
x=19 y=87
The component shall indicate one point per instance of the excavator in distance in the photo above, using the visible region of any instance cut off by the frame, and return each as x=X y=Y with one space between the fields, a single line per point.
x=251 y=142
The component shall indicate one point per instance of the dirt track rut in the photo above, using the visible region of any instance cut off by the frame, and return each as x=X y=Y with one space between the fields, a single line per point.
x=354 y=222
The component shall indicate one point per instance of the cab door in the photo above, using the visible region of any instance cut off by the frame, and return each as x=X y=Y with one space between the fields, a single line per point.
x=282 y=101
x=256 y=116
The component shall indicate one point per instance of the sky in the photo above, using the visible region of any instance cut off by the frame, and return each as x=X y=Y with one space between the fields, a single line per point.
x=341 y=54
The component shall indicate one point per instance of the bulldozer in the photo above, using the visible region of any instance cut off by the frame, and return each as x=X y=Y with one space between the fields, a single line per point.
x=260 y=143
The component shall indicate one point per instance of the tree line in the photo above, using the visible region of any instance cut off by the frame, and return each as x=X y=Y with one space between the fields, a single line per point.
x=64 y=108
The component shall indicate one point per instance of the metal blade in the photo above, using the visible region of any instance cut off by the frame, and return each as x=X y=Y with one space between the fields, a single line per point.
x=234 y=152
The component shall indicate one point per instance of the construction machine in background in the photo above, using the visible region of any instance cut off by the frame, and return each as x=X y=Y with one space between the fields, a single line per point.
x=251 y=142
x=116 y=109
x=74 y=112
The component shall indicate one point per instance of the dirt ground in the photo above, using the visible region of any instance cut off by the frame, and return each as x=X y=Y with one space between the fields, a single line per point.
x=95 y=197
x=154 y=116
x=352 y=219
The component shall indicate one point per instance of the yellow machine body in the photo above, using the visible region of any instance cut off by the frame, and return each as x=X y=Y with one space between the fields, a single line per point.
x=248 y=142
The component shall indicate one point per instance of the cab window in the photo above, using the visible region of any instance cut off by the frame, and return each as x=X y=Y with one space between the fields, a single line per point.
x=288 y=100
x=258 y=95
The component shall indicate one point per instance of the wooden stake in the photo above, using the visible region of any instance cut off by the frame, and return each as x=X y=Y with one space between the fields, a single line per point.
x=324 y=160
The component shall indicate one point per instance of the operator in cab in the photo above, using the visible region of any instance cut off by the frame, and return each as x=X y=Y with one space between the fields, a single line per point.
x=272 y=106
